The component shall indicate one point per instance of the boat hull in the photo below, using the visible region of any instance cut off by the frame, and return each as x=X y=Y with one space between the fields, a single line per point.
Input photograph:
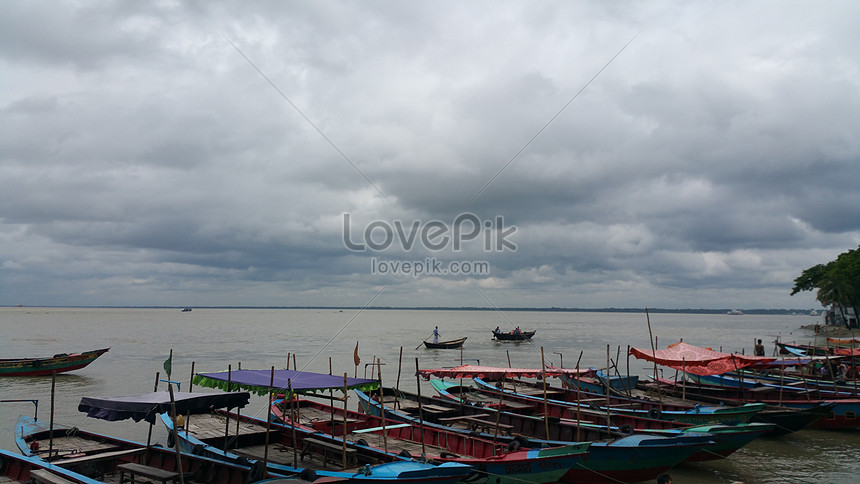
x=48 y=365
x=525 y=335
x=445 y=345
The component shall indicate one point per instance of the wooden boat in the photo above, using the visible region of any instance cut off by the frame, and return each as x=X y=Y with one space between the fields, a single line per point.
x=672 y=409
x=728 y=438
x=842 y=414
x=253 y=440
x=59 y=363
x=521 y=336
x=367 y=437
x=305 y=454
x=111 y=459
x=18 y=468
x=613 y=457
x=446 y=345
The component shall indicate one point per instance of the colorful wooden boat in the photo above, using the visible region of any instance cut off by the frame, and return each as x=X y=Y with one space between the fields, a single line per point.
x=612 y=457
x=446 y=345
x=493 y=461
x=59 y=363
x=307 y=455
x=727 y=438
x=673 y=411
x=19 y=468
x=98 y=456
x=254 y=440
x=521 y=336
x=843 y=413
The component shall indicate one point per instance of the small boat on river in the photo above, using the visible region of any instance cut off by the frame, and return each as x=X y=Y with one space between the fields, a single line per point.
x=47 y=365
x=513 y=335
x=445 y=345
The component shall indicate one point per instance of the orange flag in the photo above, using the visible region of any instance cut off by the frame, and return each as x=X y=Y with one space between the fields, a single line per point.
x=355 y=355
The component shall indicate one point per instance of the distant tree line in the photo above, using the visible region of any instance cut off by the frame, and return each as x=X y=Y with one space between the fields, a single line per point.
x=837 y=282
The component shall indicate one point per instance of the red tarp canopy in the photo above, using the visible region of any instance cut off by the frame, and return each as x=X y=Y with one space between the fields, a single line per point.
x=497 y=373
x=699 y=361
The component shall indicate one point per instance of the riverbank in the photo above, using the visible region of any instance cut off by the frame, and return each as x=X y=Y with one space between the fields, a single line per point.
x=831 y=331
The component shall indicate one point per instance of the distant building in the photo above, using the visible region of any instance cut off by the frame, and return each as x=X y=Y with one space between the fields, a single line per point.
x=839 y=315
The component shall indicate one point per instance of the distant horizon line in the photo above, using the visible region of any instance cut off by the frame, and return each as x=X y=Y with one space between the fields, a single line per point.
x=801 y=311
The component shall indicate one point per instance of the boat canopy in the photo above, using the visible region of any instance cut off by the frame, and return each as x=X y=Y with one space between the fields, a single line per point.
x=146 y=406
x=699 y=361
x=498 y=373
x=288 y=381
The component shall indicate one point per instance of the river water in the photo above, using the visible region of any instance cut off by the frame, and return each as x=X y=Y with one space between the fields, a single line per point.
x=319 y=340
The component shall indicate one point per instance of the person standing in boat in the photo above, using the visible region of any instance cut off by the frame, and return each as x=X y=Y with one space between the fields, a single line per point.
x=758 y=349
x=436 y=334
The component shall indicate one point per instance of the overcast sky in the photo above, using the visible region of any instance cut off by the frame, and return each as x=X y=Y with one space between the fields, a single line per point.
x=205 y=153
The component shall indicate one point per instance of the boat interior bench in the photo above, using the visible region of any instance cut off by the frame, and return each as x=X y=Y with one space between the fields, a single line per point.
x=462 y=418
x=433 y=409
x=139 y=470
x=331 y=452
x=41 y=476
x=475 y=422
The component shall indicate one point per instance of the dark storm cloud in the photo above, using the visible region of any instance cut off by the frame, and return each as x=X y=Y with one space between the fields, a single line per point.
x=143 y=160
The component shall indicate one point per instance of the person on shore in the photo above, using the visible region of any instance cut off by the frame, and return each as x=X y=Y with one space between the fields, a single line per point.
x=759 y=349
x=664 y=479
x=436 y=334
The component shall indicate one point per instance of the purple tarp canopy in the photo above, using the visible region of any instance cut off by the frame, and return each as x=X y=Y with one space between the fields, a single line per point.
x=300 y=381
x=146 y=406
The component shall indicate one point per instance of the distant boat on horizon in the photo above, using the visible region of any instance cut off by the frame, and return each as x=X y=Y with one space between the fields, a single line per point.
x=185 y=310
x=735 y=312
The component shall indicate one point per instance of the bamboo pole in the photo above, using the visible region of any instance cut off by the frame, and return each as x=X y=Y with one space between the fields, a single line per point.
x=397 y=388
x=499 y=414
x=545 y=402
x=420 y=411
x=269 y=419
x=294 y=423
x=654 y=355
x=381 y=407
x=684 y=387
x=51 y=422
x=345 y=408
x=190 y=389
x=154 y=389
x=629 y=390
x=226 y=414
x=578 y=395
x=175 y=434
x=608 y=420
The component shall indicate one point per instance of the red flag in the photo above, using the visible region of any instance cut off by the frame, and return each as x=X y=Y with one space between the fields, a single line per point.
x=355 y=355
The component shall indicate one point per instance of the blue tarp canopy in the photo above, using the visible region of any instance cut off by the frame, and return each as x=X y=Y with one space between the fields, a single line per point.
x=257 y=381
x=146 y=406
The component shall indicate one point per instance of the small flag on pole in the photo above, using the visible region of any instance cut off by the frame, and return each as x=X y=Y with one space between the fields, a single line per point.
x=168 y=364
x=355 y=355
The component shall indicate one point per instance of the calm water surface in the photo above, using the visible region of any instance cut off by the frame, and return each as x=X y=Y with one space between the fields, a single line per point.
x=141 y=339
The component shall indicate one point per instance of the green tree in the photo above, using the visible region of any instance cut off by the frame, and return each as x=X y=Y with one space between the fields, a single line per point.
x=838 y=282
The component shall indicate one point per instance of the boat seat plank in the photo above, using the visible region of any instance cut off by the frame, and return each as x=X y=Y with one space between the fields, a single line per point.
x=134 y=470
x=102 y=456
x=331 y=452
x=42 y=476
x=461 y=418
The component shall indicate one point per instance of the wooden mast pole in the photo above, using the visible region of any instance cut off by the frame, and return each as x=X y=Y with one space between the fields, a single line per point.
x=154 y=389
x=654 y=355
x=420 y=410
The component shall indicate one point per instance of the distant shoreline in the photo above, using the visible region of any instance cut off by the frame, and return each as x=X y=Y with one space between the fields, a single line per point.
x=787 y=312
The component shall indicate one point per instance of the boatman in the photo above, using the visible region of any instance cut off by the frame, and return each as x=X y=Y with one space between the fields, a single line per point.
x=759 y=349
x=436 y=335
